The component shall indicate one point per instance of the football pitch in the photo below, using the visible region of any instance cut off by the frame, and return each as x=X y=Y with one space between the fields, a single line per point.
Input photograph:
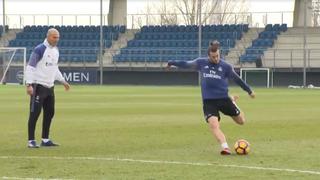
x=138 y=132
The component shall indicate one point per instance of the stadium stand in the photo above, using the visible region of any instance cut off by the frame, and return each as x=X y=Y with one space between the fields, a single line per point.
x=77 y=44
x=1 y=29
x=264 y=41
x=162 y=43
x=288 y=49
x=276 y=45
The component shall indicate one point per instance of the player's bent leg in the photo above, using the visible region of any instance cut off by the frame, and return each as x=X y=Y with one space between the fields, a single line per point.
x=239 y=119
x=218 y=134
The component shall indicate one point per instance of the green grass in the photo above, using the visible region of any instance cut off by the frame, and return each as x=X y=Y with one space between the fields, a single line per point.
x=160 y=123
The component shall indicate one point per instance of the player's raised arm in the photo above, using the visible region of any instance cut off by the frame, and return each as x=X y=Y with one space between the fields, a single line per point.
x=235 y=77
x=184 y=64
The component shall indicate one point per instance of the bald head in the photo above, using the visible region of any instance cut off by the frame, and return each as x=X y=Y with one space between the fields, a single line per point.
x=52 y=31
x=53 y=36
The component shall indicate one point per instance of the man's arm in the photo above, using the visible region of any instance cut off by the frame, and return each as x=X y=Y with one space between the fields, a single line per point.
x=59 y=76
x=184 y=64
x=61 y=79
x=30 y=70
x=31 y=67
x=235 y=77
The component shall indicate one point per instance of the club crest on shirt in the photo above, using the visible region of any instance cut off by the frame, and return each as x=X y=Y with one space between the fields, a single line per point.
x=220 y=69
x=37 y=99
x=50 y=64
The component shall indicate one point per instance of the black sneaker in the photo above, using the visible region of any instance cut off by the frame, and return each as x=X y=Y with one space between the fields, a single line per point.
x=32 y=144
x=48 y=144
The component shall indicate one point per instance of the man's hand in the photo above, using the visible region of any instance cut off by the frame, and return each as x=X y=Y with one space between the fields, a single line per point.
x=252 y=95
x=168 y=67
x=30 y=90
x=66 y=86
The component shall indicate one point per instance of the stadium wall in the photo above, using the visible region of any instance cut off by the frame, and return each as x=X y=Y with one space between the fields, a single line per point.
x=150 y=78
x=76 y=75
x=281 y=78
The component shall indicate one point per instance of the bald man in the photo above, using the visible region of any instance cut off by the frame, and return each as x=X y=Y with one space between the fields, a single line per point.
x=41 y=72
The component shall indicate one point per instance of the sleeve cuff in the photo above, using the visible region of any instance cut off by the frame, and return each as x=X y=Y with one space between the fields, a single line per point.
x=29 y=82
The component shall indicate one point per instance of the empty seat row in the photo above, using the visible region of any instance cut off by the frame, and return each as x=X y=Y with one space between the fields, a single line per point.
x=68 y=35
x=177 y=43
x=269 y=34
x=78 y=58
x=189 y=35
x=72 y=50
x=276 y=27
x=249 y=57
x=79 y=51
x=63 y=28
x=262 y=43
x=163 y=55
x=172 y=51
x=63 y=43
x=151 y=58
x=256 y=50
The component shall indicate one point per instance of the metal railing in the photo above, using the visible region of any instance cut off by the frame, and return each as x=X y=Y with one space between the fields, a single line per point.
x=254 y=19
x=135 y=21
x=272 y=58
x=291 y=58
x=20 y=20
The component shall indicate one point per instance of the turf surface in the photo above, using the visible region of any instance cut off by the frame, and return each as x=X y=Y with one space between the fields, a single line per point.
x=160 y=124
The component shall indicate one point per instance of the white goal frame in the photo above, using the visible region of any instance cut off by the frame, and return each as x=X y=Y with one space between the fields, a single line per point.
x=9 y=62
x=243 y=72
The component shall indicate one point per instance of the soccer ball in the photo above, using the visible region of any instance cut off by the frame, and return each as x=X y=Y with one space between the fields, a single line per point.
x=242 y=147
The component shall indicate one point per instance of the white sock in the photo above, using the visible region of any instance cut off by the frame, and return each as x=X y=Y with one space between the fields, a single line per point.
x=45 y=140
x=224 y=145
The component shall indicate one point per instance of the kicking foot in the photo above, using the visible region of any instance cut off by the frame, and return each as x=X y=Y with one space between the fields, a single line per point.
x=225 y=151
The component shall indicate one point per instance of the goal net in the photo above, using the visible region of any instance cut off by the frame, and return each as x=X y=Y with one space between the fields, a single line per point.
x=12 y=65
x=256 y=76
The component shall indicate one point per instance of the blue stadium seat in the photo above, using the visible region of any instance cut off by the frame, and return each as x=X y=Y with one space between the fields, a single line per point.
x=283 y=27
x=167 y=42
x=82 y=39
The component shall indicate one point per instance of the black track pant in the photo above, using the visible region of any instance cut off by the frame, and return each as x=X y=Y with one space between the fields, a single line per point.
x=42 y=97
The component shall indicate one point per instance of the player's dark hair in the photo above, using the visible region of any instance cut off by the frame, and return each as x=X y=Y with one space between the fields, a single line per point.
x=214 y=46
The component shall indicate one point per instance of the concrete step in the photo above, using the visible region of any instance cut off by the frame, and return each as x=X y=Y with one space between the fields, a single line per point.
x=117 y=45
x=10 y=35
x=241 y=45
x=300 y=30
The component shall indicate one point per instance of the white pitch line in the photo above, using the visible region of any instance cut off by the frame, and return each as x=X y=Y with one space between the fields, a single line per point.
x=165 y=162
x=24 y=178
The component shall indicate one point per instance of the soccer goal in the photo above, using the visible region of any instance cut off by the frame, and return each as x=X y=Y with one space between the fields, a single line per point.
x=12 y=65
x=256 y=76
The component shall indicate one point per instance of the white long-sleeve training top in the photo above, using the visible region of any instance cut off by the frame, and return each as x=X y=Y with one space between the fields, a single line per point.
x=43 y=67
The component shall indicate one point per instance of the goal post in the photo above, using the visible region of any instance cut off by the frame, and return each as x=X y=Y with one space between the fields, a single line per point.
x=13 y=63
x=257 y=76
